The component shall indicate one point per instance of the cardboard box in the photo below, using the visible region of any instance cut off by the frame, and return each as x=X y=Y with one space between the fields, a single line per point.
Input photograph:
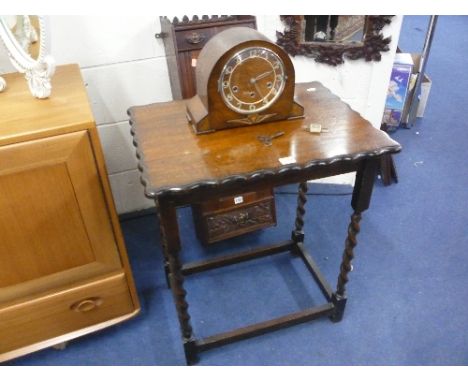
x=421 y=101
x=397 y=95
x=425 y=90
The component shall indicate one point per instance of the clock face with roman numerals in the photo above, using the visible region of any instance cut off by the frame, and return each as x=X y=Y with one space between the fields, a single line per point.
x=252 y=80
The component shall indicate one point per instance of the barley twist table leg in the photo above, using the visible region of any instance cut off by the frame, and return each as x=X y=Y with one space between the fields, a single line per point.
x=163 y=239
x=360 y=202
x=179 y=293
x=171 y=243
x=298 y=233
x=348 y=255
x=339 y=297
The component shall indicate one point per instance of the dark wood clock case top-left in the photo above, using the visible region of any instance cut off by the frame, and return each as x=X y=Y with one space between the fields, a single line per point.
x=234 y=215
x=183 y=41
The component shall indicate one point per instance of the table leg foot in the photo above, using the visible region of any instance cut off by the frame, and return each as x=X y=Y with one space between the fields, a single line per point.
x=340 y=303
x=191 y=354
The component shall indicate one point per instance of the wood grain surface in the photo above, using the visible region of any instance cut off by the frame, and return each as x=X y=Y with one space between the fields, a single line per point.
x=66 y=110
x=173 y=159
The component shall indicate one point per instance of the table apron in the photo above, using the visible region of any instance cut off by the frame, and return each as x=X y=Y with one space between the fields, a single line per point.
x=204 y=193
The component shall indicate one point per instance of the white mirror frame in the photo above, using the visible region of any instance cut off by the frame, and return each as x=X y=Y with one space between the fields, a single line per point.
x=38 y=72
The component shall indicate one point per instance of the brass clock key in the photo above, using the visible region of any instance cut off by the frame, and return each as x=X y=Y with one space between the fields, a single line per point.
x=266 y=139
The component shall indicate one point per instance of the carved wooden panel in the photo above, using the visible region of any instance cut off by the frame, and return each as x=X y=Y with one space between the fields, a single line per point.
x=218 y=220
x=223 y=224
x=370 y=49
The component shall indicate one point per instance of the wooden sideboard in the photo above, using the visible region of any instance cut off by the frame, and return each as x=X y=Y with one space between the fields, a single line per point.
x=64 y=270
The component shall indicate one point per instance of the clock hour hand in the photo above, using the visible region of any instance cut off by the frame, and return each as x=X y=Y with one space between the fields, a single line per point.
x=258 y=90
x=254 y=80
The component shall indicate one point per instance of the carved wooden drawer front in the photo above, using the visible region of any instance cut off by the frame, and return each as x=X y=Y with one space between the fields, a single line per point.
x=197 y=38
x=64 y=312
x=231 y=216
x=194 y=38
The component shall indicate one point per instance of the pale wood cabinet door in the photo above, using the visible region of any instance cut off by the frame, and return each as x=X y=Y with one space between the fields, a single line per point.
x=55 y=229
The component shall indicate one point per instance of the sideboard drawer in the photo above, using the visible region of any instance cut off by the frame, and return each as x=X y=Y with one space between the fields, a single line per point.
x=64 y=312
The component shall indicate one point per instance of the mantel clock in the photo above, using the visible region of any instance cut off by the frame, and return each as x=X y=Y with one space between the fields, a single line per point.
x=242 y=79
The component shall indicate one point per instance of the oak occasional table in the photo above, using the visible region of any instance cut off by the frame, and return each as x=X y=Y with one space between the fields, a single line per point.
x=180 y=168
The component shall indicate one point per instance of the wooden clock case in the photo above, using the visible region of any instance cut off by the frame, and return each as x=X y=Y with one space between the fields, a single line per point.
x=207 y=111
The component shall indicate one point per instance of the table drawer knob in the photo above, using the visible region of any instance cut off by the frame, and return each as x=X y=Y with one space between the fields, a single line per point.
x=195 y=38
x=86 y=305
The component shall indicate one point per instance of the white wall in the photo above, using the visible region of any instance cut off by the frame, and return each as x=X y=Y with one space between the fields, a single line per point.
x=124 y=65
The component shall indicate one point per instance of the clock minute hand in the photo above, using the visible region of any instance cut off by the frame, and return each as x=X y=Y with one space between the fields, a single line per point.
x=263 y=75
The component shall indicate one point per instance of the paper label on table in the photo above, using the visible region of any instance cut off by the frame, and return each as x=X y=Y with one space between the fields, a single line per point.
x=238 y=200
x=315 y=127
x=287 y=160
x=194 y=62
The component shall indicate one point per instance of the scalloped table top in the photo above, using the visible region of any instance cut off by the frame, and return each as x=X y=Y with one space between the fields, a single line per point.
x=173 y=159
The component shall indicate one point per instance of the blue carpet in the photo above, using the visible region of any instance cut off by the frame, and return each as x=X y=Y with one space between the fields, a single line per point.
x=407 y=295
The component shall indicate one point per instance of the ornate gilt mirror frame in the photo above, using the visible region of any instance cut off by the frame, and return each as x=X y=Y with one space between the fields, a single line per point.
x=333 y=53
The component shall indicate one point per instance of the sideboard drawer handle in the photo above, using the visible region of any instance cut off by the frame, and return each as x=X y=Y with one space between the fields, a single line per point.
x=195 y=38
x=86 y=305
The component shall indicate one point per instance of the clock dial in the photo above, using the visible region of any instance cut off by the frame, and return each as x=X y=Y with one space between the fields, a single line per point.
x=252 y=80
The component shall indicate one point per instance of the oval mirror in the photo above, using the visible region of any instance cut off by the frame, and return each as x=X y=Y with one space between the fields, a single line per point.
x=27 y=43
